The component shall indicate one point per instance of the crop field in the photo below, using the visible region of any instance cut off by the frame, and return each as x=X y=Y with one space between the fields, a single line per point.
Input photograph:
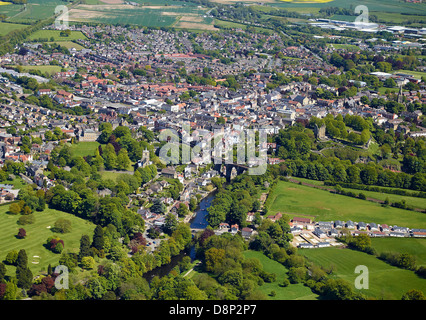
x=372 y=5
x=156 y=14
x=38 y=256
x=33 y=10
x=384 y=281
x=291 y=198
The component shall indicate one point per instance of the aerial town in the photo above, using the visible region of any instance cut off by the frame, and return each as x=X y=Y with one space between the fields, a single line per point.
x=87 y=111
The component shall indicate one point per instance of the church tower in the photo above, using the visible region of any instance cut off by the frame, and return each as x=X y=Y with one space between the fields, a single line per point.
x=145 y=158
x=400 y=94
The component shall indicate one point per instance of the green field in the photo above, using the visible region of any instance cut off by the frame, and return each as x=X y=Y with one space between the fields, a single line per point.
x=43 y=69
x=56 y=35
x=291 y=292
x=415 y=74
x=350 y=47
x=38 y=256
x=33 y=10
x=412 y=201
x=67 y=44
x=385 y=281
x=152 y=14
x=294 y=199
x=413 y=246
x=5 y=28
x=84 y=148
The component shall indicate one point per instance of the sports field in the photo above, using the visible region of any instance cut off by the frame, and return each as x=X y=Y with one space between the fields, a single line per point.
x=56 y=35
x=294 y=199
x=38 y=256
x=84 y=148
x=384 y=281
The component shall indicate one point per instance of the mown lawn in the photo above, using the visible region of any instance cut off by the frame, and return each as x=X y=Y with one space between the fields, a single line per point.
x=293 y=199
x=84 y=148
x=384 y=281
x=38 y=256
x=291 y=292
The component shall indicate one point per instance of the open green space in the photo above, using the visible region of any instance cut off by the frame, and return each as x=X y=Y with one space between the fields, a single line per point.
x=416 y=202
x=384 y=281
x=84 y=148
x=294 y=199
x=415 y=74
x=113 y=175
x=67 y=44
x=32 y=11
x=413 y=246
x=5 y=28
x=38 y=256
x=56 y=35
x=350 y=47
x=43 y=68
x=411 y=201
x=292 y=292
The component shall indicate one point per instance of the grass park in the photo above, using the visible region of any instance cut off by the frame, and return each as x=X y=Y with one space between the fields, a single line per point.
x=37 y=233
x=291 y=199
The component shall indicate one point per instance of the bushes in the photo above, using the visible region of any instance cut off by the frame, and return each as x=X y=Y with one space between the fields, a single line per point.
x=407 y=193
x=401 y=260
x=55 y=244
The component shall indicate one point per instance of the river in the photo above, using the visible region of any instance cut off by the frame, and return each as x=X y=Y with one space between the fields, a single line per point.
x=197 y=222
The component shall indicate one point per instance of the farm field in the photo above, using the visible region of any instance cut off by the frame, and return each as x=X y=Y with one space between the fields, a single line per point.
x=5 y=27
x=413 y=246
x=38 y=256
x=291 y=292
x=156 y=14
x=385 y=281
x=32 y=11
x=291 y=199
x=413 y=201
